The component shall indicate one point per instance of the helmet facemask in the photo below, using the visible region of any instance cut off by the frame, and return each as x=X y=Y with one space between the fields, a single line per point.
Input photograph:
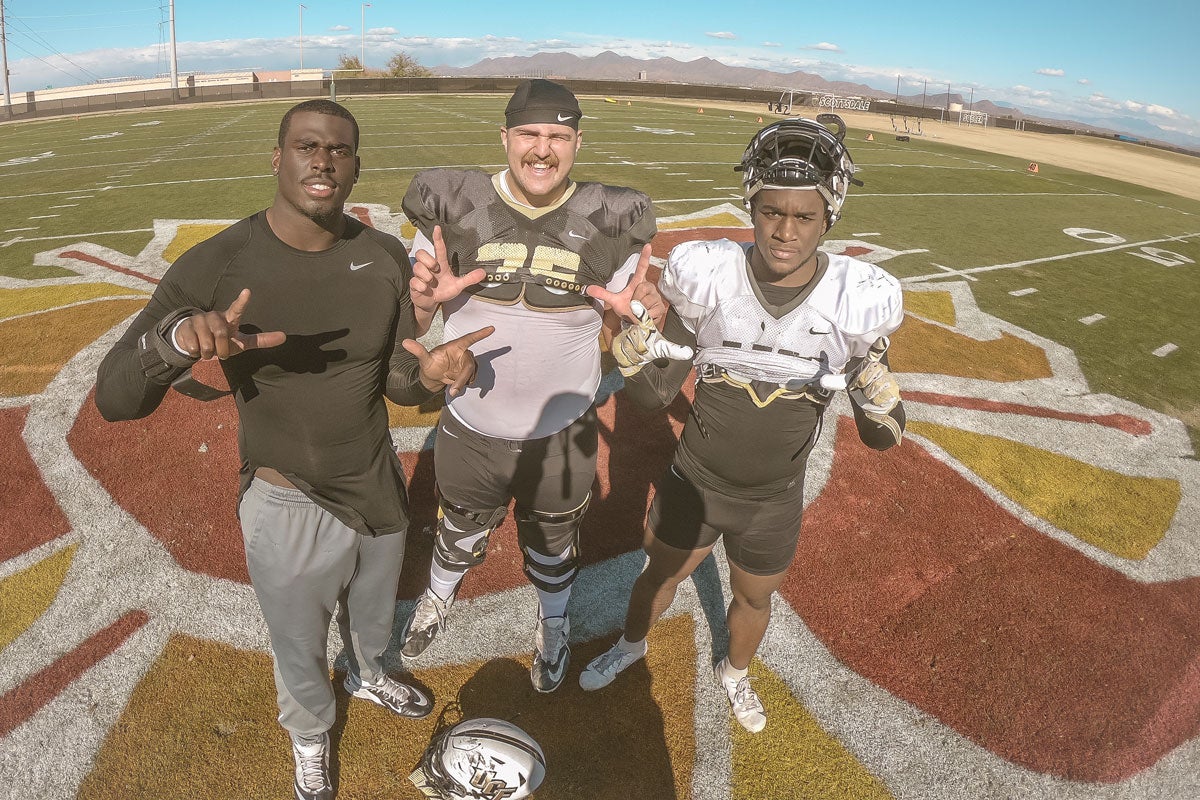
x=801 y=154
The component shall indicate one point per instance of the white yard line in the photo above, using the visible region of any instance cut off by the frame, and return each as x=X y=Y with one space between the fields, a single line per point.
x=1015 y=264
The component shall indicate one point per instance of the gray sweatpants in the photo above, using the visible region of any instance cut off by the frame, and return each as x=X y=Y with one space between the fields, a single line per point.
x=303 y=565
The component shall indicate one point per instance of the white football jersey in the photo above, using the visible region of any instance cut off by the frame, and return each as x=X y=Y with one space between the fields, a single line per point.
x=713 y=291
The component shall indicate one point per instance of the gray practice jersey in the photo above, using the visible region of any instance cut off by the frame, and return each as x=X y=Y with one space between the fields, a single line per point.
x=539 y=371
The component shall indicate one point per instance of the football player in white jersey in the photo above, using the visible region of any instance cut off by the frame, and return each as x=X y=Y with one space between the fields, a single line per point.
x=528 y=249
x=777 y=326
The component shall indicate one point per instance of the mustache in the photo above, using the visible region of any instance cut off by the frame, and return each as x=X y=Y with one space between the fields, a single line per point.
x=552 y=160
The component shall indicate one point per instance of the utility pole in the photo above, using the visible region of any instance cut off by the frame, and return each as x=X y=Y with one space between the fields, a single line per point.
x=4 y=65
x=174 y=58
x=302 y=7
x=362 y=27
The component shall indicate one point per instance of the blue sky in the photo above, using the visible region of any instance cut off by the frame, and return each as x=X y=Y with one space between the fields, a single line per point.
x=1095 y=61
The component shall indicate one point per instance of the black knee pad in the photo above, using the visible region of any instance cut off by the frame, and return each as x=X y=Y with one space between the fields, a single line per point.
x=447 y=550
x=550 y=535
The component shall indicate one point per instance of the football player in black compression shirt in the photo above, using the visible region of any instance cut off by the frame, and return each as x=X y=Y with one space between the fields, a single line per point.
x=776 y=326
x=524 y=251
x=309 y=312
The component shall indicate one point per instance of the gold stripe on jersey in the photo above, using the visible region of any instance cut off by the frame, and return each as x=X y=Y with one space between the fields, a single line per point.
x=779 y=393
x=526 y=211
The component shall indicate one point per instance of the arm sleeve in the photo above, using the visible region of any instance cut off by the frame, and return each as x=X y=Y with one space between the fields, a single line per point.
x=403 y=384
x=655 y=386
x=137 y=372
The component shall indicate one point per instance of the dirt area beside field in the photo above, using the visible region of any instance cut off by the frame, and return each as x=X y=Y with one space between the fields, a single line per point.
x=1138 y=164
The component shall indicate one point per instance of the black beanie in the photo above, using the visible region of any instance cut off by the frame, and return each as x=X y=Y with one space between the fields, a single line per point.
x=540 y=101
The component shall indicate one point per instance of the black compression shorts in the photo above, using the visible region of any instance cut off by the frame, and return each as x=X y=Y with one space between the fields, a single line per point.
x=760 y=535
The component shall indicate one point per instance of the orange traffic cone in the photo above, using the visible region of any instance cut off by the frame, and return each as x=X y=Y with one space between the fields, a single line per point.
x=1033 y=167
x=760 y=119
x=870 y=137
x=699 y=110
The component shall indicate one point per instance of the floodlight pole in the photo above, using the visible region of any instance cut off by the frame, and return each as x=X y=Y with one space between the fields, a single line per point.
x=4 y=65
x=302 y=7
x=362 y=28
x=174 y=58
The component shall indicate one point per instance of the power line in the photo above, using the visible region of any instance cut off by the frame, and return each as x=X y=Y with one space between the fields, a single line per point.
x=93 y=14
x=36 y=57
x=37 y=38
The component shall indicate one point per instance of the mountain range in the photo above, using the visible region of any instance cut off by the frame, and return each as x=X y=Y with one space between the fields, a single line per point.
x=613 y=66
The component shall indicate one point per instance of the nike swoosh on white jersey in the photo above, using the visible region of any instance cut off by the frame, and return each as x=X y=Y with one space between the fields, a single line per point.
x=575 y=235
x=354 y=266
x=819 y=332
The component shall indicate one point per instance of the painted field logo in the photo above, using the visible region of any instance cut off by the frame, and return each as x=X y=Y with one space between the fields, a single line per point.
x=1011 y=598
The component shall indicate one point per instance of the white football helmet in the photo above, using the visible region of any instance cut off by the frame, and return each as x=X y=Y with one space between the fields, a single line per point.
x=480 y=759
x=800 y=154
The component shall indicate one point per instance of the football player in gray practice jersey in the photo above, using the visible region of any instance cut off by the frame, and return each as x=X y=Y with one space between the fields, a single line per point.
x=536 y=256
x=777 y=326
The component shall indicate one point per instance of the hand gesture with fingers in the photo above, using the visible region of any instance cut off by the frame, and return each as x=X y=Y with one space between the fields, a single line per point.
x=450 y=364
x=639 y=344
x=433 y=281
x=638 y=288
x=215 y=334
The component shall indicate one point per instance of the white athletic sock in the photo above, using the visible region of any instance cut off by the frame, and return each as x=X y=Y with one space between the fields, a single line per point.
x=730 y=673
x=443 y=582
x=637 y=648
x=553 y=604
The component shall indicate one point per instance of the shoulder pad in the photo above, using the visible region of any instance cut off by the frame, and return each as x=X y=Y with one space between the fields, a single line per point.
x=860 y=298
x=437 y=195
x=615 y=211
x=698 y=274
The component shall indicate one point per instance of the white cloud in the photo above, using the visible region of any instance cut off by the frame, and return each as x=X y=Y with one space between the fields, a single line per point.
x=722 y=35
x=1028 y=91
x=1084 y=82
x=1054 y=73
x=324 y=50
x=339 y=28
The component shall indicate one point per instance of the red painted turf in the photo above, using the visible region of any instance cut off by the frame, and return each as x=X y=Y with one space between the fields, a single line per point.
x=915 y=579
x=1122 y=422
x=23 y=701
x=31 y=516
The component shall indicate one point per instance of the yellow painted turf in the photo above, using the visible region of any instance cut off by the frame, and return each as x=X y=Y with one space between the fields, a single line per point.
x=201 y=725
x=25 y=595
x=29 y=359
x=932 y=306
x=188 y=235
x=15 y=302
x=794 y=757
x=920 y=346
x=1121 y=514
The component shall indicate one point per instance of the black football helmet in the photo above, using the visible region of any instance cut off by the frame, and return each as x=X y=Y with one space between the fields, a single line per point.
x=801 y=154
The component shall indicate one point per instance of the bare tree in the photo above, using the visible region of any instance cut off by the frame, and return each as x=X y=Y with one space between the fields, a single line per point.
x=402 y=65
x=349 y=63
